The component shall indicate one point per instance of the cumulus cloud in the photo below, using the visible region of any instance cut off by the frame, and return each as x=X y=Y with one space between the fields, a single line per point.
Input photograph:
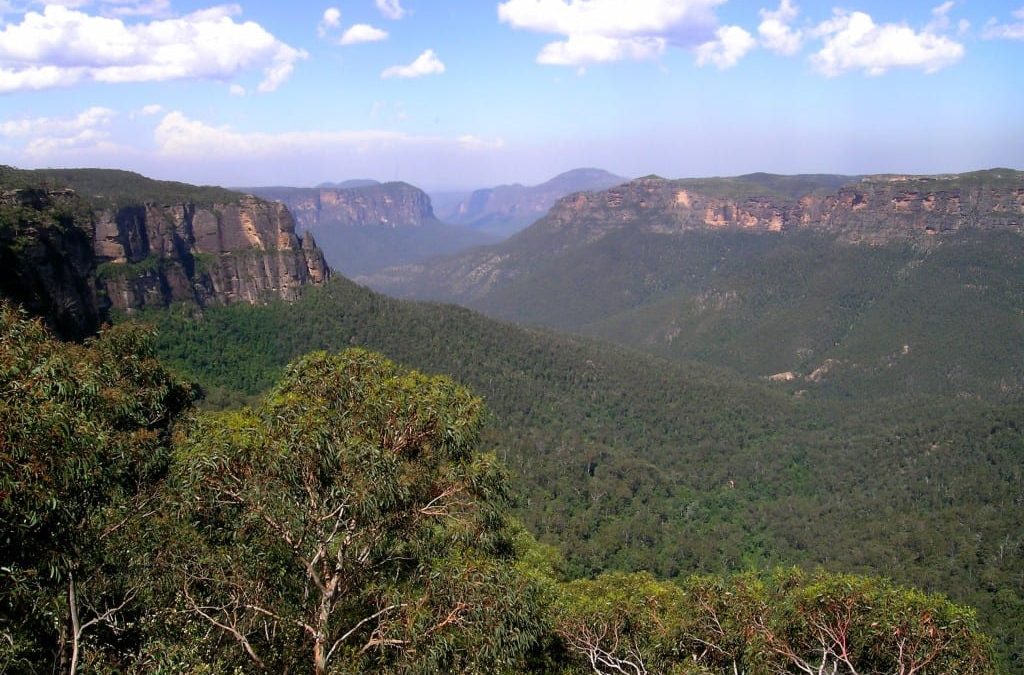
x=585 y=49
x=392 y=9
x=776 y=32
x=597 y=31
x=426 y=63
x=62 y=46
x=180 y=136
x=151 y=109
x=731 y=44
x=114 y=8
x=853 y=41
x=47 y=135
x=1007 y=31
x=331 y=19
x=362 y=32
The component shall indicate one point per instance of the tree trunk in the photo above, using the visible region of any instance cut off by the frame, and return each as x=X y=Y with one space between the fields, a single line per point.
x=76 y=628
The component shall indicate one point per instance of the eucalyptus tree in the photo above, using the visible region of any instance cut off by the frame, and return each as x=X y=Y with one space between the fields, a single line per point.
x=83 y=439
x=350 y=523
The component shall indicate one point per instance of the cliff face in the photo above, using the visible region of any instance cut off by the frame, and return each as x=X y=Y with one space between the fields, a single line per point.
x=152 y=255
x=46 y=259
x=384 y=205
x=872 y=211
x=121 y=241
x=507 y=209
x=366 y=228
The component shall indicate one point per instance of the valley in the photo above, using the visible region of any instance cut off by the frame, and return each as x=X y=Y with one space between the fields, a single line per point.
x=778 y=398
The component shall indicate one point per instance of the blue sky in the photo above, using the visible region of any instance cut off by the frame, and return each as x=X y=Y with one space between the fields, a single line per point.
x=466 y=94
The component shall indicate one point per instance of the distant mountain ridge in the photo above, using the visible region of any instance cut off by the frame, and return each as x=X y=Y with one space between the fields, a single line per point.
x=872 y=210
x=351 y=183
x=828 y=282
x=370 y=226
x=506 y=209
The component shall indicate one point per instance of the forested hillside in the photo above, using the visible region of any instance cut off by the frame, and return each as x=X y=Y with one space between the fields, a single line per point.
x=837 y=286
x=628 y=461
x=348 y=522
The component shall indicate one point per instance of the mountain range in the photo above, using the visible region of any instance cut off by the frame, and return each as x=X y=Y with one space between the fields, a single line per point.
x=364 y=226
x=506 y=209
x=821 y=283
x=833 y=375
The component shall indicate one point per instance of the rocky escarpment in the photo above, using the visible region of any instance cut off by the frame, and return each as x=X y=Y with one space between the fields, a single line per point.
x=920 y=210
x=366 y=228
x=46 y=259
x=77 y=243
x=378 y=205
x=507 y=209
x=156 y=254
x=873 y=210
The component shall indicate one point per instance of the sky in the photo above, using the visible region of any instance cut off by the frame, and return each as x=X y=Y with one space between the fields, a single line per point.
x=464 y=94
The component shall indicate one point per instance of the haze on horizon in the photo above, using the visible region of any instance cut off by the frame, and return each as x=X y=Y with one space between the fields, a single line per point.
x=450 y=95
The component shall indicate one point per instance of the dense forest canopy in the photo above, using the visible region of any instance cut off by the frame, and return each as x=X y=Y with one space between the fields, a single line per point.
x=629 y=462
x=349 y=522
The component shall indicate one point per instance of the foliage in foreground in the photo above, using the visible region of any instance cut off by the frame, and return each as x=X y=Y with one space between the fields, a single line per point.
x=349 y=523
x=83 y=440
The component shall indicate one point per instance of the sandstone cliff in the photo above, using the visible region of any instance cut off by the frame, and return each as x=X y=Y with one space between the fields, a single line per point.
x=919 y=210
x=46 y=259
x=506 y=209
x=155 y=254
x=114 y=240
x=378 y=205
x=872 y=210
x=365 y=228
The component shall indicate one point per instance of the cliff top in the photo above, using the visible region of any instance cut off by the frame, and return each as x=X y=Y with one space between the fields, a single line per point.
x=112 y=188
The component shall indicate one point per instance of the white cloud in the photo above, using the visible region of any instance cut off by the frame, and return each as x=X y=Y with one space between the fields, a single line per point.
x=426 y=63
x=90 y=118
x=137 y=7
x=392 y=9
x=178 y=135
x=940 y=17
x=362 y=32
x=47 y=135
x=606 y=17
x=585 y=49
x=111 y=8
x=237 y=90
x=776 y=32
x=331 y=19
x=596 y=31
x=731 y=44
x=87 y=139
x=62 y=46
x=853 y=41
x=152 y=109
x=474 y=143
x=1006 y=31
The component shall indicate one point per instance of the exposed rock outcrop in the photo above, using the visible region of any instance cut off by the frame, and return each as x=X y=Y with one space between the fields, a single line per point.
x=124 y=242
x=874 y=210
x=387 y=204
x=506 y=209
x=46 y=259
x=153 y=255
x=365 y=228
